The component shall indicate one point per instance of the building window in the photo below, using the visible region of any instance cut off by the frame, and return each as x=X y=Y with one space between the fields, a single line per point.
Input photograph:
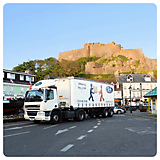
x=12 y=76
x=133 y=94
x=22 y=77
x=133 y=86
x=8 y=75
x=154 y=102
x=27 y=78
x=32 y=79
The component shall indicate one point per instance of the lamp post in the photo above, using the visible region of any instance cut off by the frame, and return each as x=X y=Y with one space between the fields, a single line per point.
x=130 y=88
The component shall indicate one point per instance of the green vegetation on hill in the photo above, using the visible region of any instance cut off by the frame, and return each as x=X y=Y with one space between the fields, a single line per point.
x=53 y=67
x=112 y=58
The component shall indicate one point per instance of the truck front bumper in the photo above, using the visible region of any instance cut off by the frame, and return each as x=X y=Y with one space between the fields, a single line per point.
x=34 y=115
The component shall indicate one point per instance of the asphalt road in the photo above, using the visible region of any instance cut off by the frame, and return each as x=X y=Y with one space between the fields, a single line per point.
x=120 y=135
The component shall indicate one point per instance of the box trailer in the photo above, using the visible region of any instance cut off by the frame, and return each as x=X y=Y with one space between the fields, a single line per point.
x=69 y=97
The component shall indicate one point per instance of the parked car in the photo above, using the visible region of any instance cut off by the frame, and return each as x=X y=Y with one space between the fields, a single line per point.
x=118 y=110
x=124 y=109
x=143 y=108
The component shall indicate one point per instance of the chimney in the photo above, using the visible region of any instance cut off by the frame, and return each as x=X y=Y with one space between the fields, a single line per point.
x=28 y=71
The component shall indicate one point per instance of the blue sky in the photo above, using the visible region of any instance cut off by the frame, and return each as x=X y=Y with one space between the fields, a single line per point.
x=38 y=31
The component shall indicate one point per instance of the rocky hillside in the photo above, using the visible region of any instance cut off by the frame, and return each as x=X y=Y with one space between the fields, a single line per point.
x=111 y=58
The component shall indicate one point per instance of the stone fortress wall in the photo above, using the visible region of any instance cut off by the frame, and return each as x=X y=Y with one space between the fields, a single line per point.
x=107 y=50
x=89 y=50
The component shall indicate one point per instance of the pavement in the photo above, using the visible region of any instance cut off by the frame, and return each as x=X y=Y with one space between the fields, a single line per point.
x=137 y=113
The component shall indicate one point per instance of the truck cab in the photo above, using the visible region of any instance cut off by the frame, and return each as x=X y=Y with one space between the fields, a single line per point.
x=40 y=101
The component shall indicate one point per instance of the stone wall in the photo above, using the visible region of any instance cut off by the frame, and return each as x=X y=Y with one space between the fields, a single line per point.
x=73 y=55
x=107 y=50
x=90 y=50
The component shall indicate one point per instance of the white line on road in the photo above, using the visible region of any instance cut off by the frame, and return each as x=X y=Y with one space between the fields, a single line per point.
x=7 y=125
x=98 y=123
x=61 y=131
x=19 y=127
x=81 y=137
x=67 y=148
x=72 y=127
x=90 y=131
x=50 y=126
x=118 y=115
x=95 y=127
x=16 y=134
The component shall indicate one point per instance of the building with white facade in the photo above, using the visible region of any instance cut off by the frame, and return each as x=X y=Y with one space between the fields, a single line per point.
x=140 y=85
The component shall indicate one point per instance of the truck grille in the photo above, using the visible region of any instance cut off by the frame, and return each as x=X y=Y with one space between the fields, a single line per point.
x=32 y=113
x=32 y=107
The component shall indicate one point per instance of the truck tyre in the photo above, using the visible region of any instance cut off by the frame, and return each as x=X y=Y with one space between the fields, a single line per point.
x=80 y=115
x=110 y=114
x=105 y=113
x=55 y=117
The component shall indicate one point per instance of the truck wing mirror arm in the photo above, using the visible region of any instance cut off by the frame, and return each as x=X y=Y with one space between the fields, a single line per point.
x=53 y=86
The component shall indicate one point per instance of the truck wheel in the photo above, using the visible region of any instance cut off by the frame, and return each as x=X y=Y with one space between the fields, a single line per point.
x=105 y=113
x=110 y=113
x=55 y=117
x=80 y=116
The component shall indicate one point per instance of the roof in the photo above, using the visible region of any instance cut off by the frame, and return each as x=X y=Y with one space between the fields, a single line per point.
x=15 y=72
x=151 y=93
x=136 y=78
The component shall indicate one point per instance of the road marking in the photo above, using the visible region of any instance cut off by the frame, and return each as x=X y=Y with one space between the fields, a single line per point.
x=19 y=127
x=50 y=126
x=95 y=127
x=90 y=131
x=67 y=148
x=72 y=127
x=98 y=123
x=61 y=131
x=64 y=130
x=81 y=137
x=119 y=115
x=142 y=130
x=16 y=134
x=7 y=125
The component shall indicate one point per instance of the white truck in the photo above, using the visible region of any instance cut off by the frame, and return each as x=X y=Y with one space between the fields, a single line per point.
x=69 y=97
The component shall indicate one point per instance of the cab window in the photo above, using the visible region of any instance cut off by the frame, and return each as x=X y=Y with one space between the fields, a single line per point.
x=49 y=94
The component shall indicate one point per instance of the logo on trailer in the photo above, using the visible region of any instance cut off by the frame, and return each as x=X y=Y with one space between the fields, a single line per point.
x=101 y=93
x=91 y=93
x=109 y=89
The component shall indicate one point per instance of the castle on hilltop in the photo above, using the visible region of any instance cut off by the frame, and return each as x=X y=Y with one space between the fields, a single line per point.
x=90 y=50
x=136 y=59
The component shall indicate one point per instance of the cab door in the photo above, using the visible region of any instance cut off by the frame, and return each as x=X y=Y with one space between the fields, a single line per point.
x=50 y=99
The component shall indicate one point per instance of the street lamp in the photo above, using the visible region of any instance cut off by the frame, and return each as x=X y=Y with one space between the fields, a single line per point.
x=130 y=88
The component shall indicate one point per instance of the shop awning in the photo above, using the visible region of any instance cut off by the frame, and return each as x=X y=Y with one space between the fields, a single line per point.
x=151 y=93
x=116 y=100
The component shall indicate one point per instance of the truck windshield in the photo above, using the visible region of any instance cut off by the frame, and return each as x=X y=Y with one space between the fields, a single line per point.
x=34 y=96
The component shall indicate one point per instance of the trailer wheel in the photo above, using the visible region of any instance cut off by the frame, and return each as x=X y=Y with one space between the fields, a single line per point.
x=105 y=113
x=55 y=117
x=80 y=116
